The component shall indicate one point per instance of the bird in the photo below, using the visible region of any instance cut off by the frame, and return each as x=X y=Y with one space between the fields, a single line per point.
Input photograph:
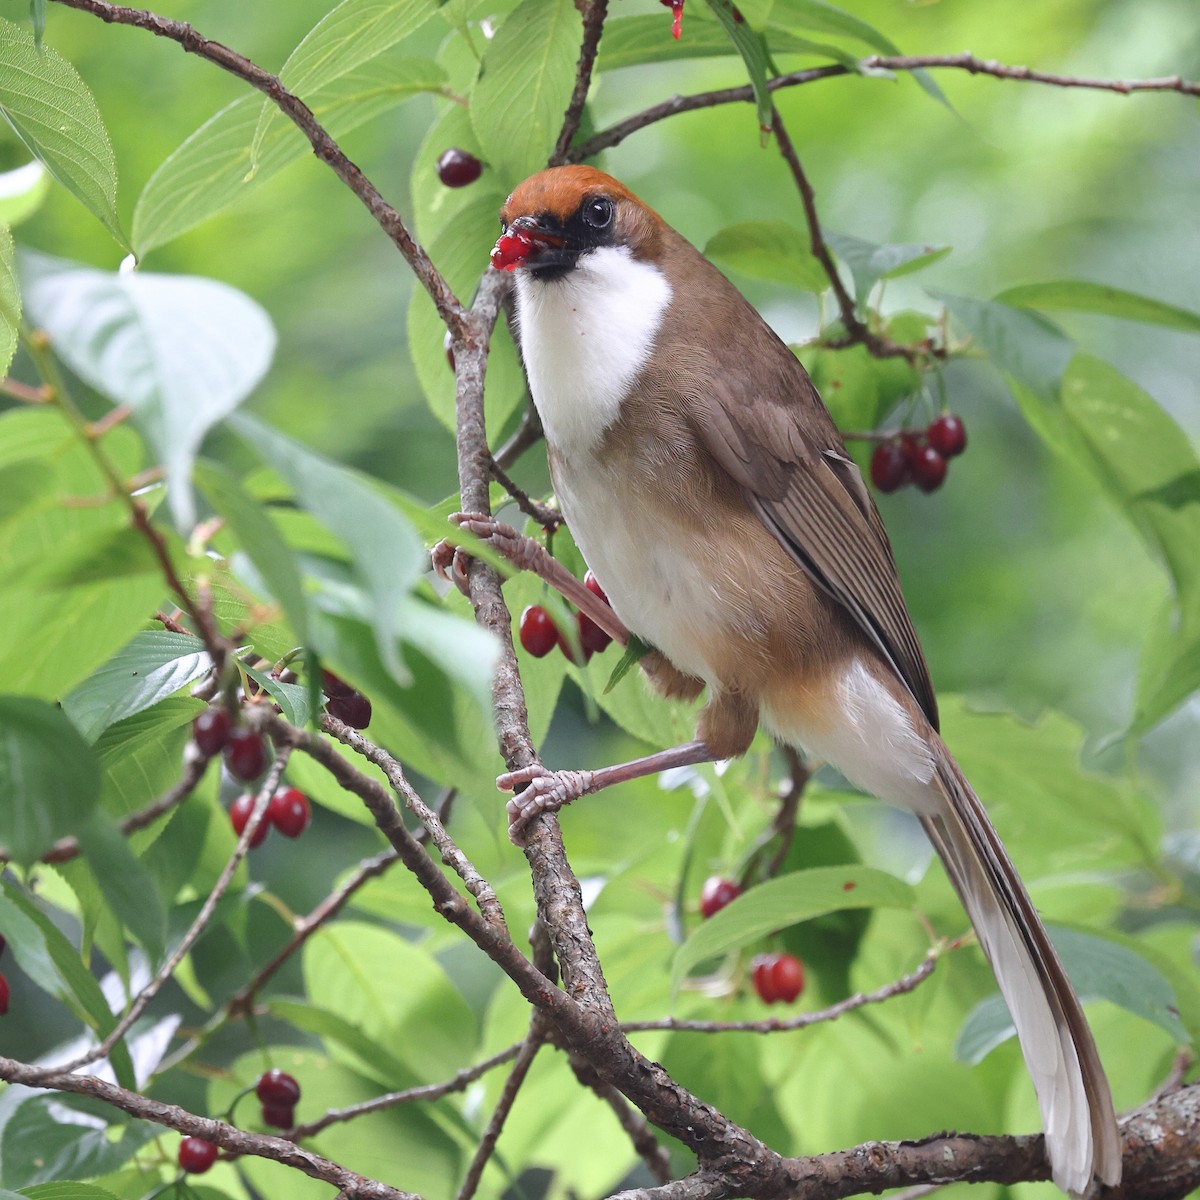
x=710 y=492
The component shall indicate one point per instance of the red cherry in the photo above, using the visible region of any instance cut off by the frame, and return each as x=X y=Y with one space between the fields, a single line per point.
x=591 y=637
x=3 y=994
x=716 y=893
x=947 y=435
x=928 y=469
x=456 y=168
x=239 y=818
x=778 y=977
x=593 y=585
x=277 y=1087
x=281 y=1116
x=245 y=755
x=511 y=250
x=889 y=466
x=334 y=685
x=353 y=710
x=569 y=653
x=538 y=633
x=210 y=730
x=289 y=812
x=196 y=1155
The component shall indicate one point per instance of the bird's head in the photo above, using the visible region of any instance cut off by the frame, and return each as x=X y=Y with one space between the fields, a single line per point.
x=556 y=217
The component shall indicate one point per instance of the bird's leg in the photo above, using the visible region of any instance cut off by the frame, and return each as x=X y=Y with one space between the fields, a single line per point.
x=548 y=791
x=527 y=555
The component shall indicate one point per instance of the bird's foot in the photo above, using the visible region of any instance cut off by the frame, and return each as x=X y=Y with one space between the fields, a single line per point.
x=543 y=791
x=450 y=563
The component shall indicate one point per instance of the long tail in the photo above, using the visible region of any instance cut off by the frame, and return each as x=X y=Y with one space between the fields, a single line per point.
x=1082 y=1141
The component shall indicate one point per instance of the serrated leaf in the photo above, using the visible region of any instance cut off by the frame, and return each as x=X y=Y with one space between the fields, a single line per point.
x=67 y=1190
x=780 y=902
x=292 y=698
x=352 y=34
x=10 y=302
x=260 y=539
x=211 y=169
x=127 y=886
x=1028 y=347
x=869 y=262
x=154 y=665
x=49 y=777
x=768 y=250
x=50 y=960
x=386 y=553
x=752 y=47
x=524 y=86
x=1080 y=296
x=182 y=351
x=39 y=1146
x=1098 y=969
x=52 y=111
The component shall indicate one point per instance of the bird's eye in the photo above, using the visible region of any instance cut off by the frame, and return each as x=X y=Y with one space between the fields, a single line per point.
x=598 y=213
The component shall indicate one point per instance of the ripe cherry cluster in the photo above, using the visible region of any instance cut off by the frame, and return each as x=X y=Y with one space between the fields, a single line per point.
x=277 y=1092
x=776 y=977
x=918 y=456
x=539 y=634
x=289 y=811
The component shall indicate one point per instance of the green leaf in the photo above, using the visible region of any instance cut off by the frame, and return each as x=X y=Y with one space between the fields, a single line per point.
x=1080 y=296
x=128 y=887
x=524 y=86
x=869 y=262
x=784 y=901
x=386 y=553
x=768 y=250
x=352 y=34
x=154 y=665
x=49 y=777
x=22 y=191
x=291 y=697
x=38 y=1146
x=51 y=110
x=1031 y=349
x=182 y=351
x=211 y=169
x=859 y=389
x=260 y=539
x=752 y=47
x=10 y=302
x=67 y=1191
x=46 y=956
x=1099 y=969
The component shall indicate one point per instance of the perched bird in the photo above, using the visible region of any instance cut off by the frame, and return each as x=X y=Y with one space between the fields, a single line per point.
x=710 y=492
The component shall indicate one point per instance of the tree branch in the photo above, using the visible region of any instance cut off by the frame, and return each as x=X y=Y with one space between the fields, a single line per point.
x=593 y=27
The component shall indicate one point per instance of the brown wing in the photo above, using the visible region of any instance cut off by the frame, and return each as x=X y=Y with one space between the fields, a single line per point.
x=780 y=444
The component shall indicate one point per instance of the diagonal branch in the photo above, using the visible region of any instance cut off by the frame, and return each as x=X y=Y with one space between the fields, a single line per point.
x=593 y=27
x=324 y=146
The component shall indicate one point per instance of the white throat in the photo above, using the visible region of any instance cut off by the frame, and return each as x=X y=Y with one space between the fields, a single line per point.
x=585 y=339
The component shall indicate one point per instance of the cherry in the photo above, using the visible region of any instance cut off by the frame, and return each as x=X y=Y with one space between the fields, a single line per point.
x=245 y=755
x=334 y=686
x=889 y=466
x=210 y=730
x=457 y=168
x=716 y=893
x=239 y=818
x=593 y=585
x=281 y=1116
x=511 y=250
x=947 y=435
x=277 y=1087
x=591 y=637
x=290 y=813
x=538 y=632
x=565 y=646
x=353 y=710
x=196 y=1155
x=778 y=977
x=3 y=994
x=928 y=469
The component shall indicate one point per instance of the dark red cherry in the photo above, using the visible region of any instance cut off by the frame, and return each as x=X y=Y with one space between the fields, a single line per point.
x=210 y=730
x=290 y=813
x=889 y=466
x=239 y=817
x=196 y=1155
x=778 y=977
x=716 y=893
x=928 y=469
x=246 y=755
x=538 y=632
x=456 y=168
x=277 y=1087
x=947 y=435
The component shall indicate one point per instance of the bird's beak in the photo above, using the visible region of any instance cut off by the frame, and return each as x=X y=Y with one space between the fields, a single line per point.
x=528 y=242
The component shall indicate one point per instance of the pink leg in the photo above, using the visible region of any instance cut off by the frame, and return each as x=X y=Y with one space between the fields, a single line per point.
x=527 y=555
x=548 y=791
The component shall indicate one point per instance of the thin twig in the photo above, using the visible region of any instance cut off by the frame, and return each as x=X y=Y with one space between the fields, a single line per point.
x=452 y=856
x=548 y=518
x=784 y=824
x=527 y=433
x=324 y=146
x=898 y=987
x=428 y=1091
x=593 y=27
x=508 y=1097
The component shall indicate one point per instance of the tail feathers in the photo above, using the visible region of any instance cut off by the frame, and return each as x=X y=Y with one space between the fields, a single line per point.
x=1082 y=1141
